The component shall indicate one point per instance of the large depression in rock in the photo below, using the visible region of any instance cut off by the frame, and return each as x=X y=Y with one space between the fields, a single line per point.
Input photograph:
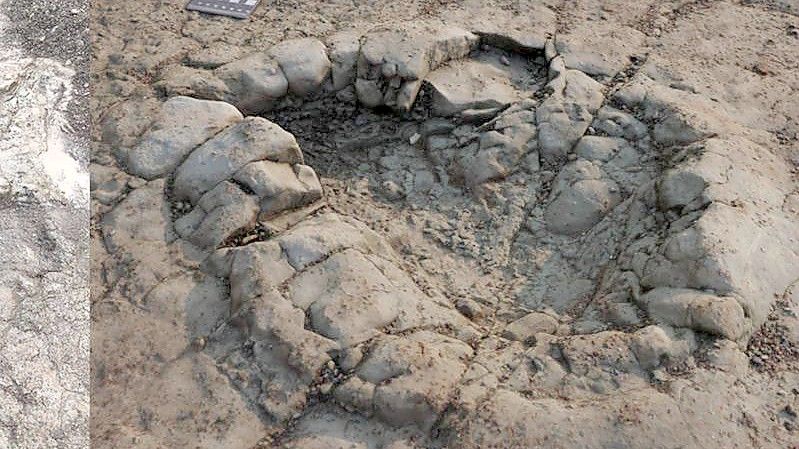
x=395 y=238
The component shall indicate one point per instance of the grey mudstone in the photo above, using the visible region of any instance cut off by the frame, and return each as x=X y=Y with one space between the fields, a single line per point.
x=304 y=63
x=188 y=223
x=255 y=83
x=654 y=345
x=413 y=49
x=590 y=62
x=478 y=116
x=526 y=423
x=676 y=129
x=312 y=240
x=406 y=95
x=344 y=48
x=678 y=188
x=470 y=84
x=188 y=81
x=498 y=153
x=214 y=55
x=149 y=205
x=560 y=127
x=679 y=118
x=685 y=245
x=523 y=30
x=596 y=53
x=621 y=313
x=350 y=358
x=253 y=139
x=705 y=312
x=596 y=354
x=470 y=308
x=124 y=123
x=227 y=209
x=107 y=184
x=289 y=355
x=578 y=207
x=280 y=186
x=563 y=295
x=575 y=86
x=616 y=123
x=414 y=376
x=369 y=93
x=527 y=326
x=326 y=297
x=357 y=394
x=567 y=113
x=349 y=300
x=368 y=272
x=271 y=318
x=324 y=442
x=394 y=61
x=182 y=124
x=440 y=143
x=255 y=268
x=324 y=287
x=599 y=148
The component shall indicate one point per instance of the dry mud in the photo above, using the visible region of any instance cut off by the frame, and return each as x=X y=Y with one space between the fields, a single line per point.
x=446 y=225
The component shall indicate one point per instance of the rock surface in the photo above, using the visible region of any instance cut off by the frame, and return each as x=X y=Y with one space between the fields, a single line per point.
x=255 y=83
x=304 y=63
x=182 y=124
x=44 y=217
x=254 y=139
x=394 y=61
x=470 y=85
x=556 y=262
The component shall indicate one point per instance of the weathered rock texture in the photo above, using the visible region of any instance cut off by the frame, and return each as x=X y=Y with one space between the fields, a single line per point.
x=540 y=245
x=44 y=251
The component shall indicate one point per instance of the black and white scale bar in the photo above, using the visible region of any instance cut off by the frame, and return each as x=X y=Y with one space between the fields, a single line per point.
x=240 y=9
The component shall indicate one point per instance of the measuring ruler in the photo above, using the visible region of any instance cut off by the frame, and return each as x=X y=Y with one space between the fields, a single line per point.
x=240 y=9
